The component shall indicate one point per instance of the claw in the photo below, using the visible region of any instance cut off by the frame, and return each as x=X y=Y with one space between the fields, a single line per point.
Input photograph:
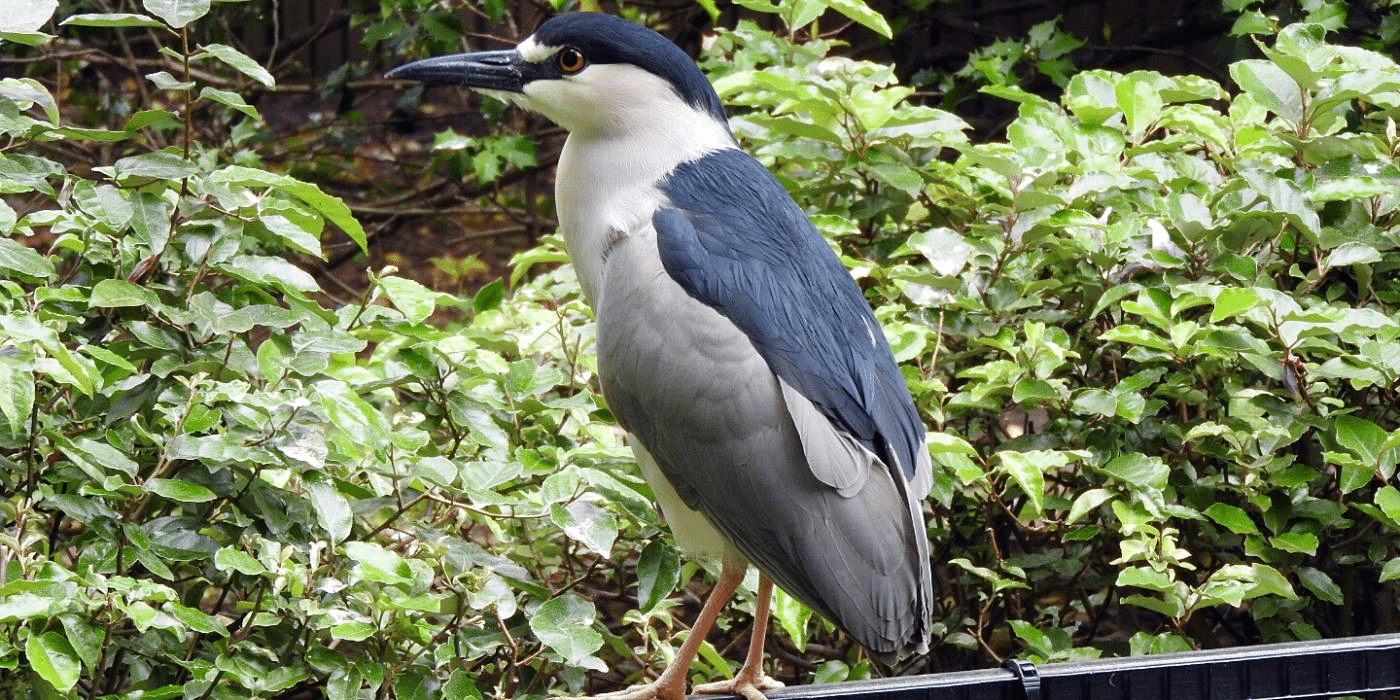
x=750 y=688
x=657 y=690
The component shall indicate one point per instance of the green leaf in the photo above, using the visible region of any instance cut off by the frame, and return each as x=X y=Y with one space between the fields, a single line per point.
x=378 y=564
x=23 y=173
x=354 y=631
x=218 y=449
x=299 y=231
x=85 y=134
x=27 y=16
x=1137 y=469
x=415 y=301
x=946 y=250
x=1030 y=390
x=270 y=270
x=156 y=165
x=1143 y=643
x=26 y=38
x=1028 y=470
x=946 y=443
x=164 y=80
x=763 y=6
x=1388 y=500
x=1140 y=102
x=800 y=13
x=831 y=672
x=1360 y=436
x=151 y=219
x=177 y=13
x=1091 y=96
x=593 y=526
x=1270 y=86
x=229 y=99
x=489 y=296
x=1233 y=301
x=1352 y=253
x=1296 y=542
x=197 y=620
x=658 y=573
x=231 y=559
x=103 y=455
x=565 y=624
x=53 y=658
x=179 y=490
x=1228 y=585
x=1233 y=518
x=111 y=19
x=1087 y=501
x=798 y=127
x=1095 y=402
x=413 y=685
x=330 y=207
x=1320 y=584
x=1136 y=335
x=86 y=639
x=792 y=616
x=1391 y=570
x=333 y=511
x=115 y=293
x=16 y=395
x=1269 y=581
x=240 y=62
x=19 y=258
x=460 y=686
x=1146 y=577
x=149 y=117
x=863 y=15
x=1345 y=188
x=1042 y=642
x=24 y=606
x=1354 y=473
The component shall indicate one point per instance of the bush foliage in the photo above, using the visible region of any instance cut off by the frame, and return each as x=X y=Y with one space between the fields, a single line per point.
x=1152 y=331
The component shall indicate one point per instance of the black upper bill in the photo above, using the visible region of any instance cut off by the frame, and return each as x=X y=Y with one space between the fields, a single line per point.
x=492 y=70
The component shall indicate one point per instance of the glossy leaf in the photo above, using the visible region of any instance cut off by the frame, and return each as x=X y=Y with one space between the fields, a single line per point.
x=658 y=573
x=53 y=659
x=177 y=13
x=565 y=624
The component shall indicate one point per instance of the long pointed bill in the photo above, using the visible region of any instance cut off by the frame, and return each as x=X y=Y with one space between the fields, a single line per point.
x=502 y=70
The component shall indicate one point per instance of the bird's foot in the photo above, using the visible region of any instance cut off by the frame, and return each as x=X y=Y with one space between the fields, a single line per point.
x=656 y=690
x=748 y=684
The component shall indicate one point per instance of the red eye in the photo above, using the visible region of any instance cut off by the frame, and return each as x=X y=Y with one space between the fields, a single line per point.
x=571 y=60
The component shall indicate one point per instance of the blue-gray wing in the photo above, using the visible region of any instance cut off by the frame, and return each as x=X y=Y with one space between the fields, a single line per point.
x=735 y=241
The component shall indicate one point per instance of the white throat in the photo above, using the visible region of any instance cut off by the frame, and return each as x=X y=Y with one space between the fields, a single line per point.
x=627 y=130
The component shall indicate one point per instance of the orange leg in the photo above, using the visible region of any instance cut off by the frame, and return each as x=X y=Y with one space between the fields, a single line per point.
x=750 y=682
x=671 y=684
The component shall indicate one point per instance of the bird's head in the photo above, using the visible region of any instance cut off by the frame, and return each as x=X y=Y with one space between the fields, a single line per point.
x=592 y=74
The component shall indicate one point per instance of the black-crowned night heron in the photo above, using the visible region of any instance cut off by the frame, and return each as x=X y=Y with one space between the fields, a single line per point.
x=764 y=404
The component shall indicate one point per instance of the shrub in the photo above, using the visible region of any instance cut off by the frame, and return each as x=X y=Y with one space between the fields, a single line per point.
x=1152 y=331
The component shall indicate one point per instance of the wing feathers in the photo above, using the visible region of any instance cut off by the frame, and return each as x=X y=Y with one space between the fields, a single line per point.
x=836 y=460
x=735 y=241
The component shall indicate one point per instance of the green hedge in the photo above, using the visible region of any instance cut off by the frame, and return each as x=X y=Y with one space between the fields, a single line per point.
x=1152 y=331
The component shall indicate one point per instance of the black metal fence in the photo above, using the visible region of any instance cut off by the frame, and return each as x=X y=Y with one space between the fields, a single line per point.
x=1360 y=666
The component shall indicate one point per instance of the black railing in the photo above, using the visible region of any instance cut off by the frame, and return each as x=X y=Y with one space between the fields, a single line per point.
x=1359 y=666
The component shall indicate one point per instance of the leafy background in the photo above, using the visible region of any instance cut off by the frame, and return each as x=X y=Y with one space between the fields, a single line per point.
x=252 y=447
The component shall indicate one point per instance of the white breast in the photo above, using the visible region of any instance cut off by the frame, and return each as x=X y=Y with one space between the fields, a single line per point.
x=627 y=130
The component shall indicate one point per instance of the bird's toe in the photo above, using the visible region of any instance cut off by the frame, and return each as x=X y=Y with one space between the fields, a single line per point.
x=751 y=688
x=657 y=690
